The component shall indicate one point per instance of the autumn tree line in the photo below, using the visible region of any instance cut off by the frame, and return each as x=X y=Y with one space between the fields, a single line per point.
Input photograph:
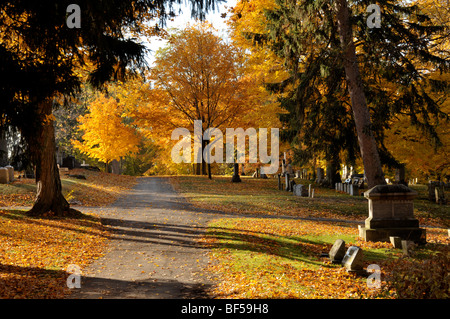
x=340 y=92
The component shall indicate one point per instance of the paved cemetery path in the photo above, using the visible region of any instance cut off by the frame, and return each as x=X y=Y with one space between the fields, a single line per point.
x=154 y=251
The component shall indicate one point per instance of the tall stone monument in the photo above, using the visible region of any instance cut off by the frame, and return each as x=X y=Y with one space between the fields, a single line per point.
x=391 y=213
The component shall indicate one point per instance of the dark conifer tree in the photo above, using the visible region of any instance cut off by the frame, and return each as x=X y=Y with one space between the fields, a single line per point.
x=39 y=59
x=308 y=34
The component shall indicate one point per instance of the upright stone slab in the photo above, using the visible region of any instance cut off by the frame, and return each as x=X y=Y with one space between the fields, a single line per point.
x=295 y=190
x=300 y=190
x=354 y=189
x=353 y=260
x=10 y=173
x=337 y=252
x=291 y=185
x=4 y=175
x=391 y=213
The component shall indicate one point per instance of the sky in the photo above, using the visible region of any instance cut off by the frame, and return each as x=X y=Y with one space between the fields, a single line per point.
x=183 y=19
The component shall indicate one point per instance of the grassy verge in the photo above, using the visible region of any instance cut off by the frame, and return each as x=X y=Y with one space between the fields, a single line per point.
x=35 y=252
x=98 y=189
x=261 y=196
x=280 y=258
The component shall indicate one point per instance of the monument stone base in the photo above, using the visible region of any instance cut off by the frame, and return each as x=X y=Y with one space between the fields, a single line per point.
x=391 y=213
x=415 y=234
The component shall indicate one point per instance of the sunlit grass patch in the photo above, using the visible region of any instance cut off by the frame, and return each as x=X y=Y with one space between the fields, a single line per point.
x=281 y=258
x=35 y=252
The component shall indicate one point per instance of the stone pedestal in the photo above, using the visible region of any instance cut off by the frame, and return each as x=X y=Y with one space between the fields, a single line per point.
x=391 y=213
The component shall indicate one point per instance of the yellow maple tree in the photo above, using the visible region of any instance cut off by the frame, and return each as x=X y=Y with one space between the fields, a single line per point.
x=197 y=76
x=106 y=136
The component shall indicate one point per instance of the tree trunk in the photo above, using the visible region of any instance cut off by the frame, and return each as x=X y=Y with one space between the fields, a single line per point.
x=49 y=197
x=3 y=147
x=236 y=178
x=115 y=167
x=367 y=144
x=204 y=143
x=197 y=168
x=333 y=175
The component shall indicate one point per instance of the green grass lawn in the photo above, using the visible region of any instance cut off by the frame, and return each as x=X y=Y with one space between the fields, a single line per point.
x=272 y=257
x=262 y=196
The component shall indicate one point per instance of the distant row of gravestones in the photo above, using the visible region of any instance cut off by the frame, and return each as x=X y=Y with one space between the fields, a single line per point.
x=351 y=189
x=351 y=186
x=296 y=189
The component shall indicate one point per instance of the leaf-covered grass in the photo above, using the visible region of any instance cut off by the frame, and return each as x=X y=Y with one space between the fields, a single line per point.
x=280 y=258
x=35 y=252
x=261 y=196
x=273 y=257
x=98 y=189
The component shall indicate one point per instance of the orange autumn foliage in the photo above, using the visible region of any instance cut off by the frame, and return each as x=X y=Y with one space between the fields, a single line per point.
x=106 y=136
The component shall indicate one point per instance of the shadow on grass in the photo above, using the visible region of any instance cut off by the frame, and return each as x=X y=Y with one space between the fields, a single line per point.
x=292 y=248
x=81 y=224
x=31 y=282
x=305 y=249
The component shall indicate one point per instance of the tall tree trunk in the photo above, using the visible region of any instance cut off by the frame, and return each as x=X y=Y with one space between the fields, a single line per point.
x=197 y=168
x=236 y=178
x=367 y=144
x=333 y=167
x=3 y=146
x=204 y=144
x=49 y=197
